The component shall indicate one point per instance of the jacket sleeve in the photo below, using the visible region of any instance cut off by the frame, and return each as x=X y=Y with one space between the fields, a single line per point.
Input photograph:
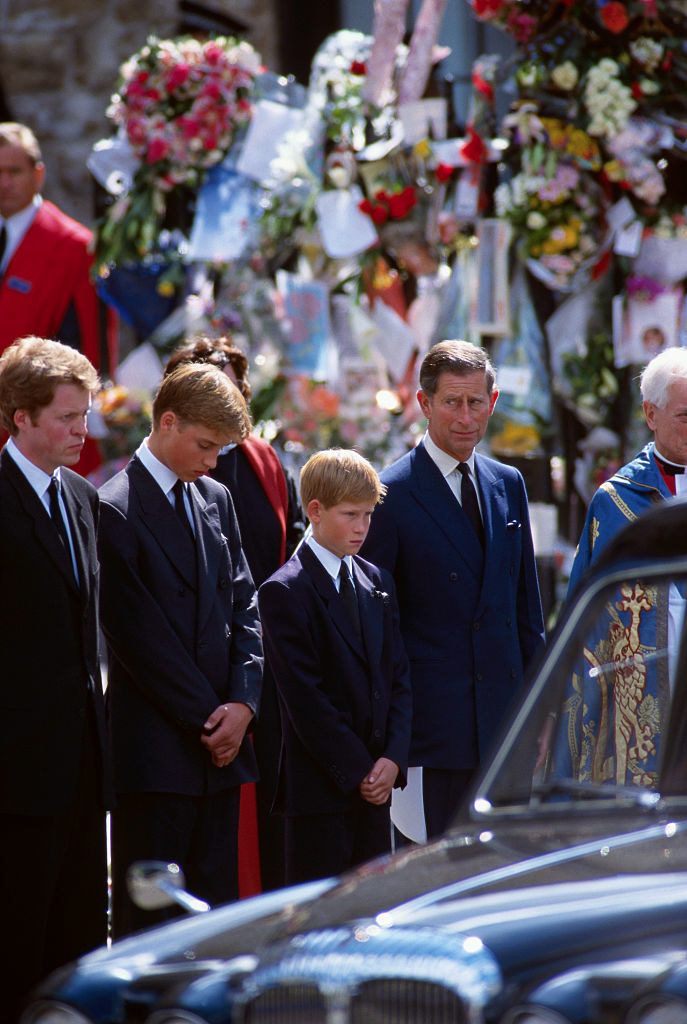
x=246 y=660
x=530 y=616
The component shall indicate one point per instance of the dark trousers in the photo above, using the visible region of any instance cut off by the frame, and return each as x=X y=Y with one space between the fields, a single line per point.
x=320 y=845
x=443 y=791
x=266 y=744
x=199 y=833
x=53 y=886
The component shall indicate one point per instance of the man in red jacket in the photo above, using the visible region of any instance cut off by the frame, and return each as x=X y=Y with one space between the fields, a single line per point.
x=45 y=284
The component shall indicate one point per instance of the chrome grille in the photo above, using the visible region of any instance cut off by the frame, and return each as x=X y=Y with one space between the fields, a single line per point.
x=402 y=1001
x=287 y=1004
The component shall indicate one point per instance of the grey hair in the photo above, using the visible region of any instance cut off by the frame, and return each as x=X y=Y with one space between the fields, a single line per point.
x=659 y=373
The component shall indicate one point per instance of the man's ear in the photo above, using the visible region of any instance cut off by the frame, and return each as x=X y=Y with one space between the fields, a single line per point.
x=21 y=418
x=168 y=421
x=313 y=510
x=425 y=403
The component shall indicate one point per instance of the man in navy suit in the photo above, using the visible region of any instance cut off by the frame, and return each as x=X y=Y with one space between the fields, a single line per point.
x=332 y=641
x=54 y=764
x=179 y=612
x=454 y=530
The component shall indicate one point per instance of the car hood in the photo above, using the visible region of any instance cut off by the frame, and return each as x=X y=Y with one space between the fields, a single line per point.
x=475 y=880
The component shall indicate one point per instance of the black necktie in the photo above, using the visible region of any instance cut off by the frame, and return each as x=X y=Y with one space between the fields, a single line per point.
x=348 y=595
x=669 y=467
x=57 y=517
x=468 y=499
x=3 y=242
x=180 y=507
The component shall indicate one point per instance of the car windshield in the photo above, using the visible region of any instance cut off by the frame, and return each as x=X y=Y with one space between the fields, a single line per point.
x=595 y=722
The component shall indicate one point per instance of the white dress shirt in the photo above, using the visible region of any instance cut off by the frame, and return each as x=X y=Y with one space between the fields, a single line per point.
x=16 y=227
x=448 y=467
x=329 y=561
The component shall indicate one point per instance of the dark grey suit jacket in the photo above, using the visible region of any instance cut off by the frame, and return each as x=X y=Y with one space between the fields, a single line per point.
x=182 y=631
x=48 y=646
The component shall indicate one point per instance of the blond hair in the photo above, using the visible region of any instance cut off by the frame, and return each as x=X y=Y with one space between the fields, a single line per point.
x=337 y=475
x=199 y=393
x=32 y=368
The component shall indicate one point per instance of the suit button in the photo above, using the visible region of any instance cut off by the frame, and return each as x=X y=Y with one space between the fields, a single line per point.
x=378 y=734
x=180 y=592
x=376 y=694
x=475 y=625
x=453 y=576
x=478 y=677
x=223 y=583
x=508 y=622
x=513 y=673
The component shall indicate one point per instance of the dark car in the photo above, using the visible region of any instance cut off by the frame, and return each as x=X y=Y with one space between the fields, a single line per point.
x=559 y=896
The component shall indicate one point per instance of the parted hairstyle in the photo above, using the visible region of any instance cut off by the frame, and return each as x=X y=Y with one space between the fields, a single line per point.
x=12 y=133
x=30 y=371
x=458 y=357
x=199 y=393
x=218 y=352
x=338 y=475
x=660 y=372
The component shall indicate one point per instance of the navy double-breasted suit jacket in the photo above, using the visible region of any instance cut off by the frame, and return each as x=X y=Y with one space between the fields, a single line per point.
x=344 y=703
x=182 y=631
x=49 y=658
x=471 y=619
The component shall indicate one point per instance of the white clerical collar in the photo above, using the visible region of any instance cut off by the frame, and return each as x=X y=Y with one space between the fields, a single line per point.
x=328 y=560
x=163 y=476
x=37 y=477
x=663 y=458
x=444 y=462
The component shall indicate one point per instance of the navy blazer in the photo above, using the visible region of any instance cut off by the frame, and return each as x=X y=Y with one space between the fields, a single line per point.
x=344 y=704
x=49 y=658
x=182 y=631
x=471 y=619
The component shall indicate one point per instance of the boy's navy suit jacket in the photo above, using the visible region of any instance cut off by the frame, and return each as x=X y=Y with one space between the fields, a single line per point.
x=343 y=704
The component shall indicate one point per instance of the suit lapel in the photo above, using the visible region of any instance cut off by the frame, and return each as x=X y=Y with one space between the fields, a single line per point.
x=371 y=615
x=431 y=491
x=325 y=587
x=44 y=531
x=79 y=530
x=158 y=516
x=495 y=515
x=208 y=531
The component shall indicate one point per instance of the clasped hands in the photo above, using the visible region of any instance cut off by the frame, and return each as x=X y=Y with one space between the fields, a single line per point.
x=224 y=731
x=377 y=785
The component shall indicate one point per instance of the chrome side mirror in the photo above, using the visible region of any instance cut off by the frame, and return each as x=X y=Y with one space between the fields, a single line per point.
x=154 y=884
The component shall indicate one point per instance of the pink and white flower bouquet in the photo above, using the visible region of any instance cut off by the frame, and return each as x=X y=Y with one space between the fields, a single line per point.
x=179 y=106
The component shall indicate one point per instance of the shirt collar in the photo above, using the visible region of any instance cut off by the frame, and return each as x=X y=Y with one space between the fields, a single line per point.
x=444 y=462
x=327 y=558
x=38 y=478
x=163 y=476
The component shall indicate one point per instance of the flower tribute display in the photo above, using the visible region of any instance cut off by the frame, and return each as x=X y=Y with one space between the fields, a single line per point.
x=178 y=107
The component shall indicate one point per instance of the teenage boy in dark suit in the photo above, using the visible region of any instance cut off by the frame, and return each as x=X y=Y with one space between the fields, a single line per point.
x=179 y=612
x=332 y=640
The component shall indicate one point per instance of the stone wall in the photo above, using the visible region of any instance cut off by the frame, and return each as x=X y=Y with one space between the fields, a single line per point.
x=59 y=61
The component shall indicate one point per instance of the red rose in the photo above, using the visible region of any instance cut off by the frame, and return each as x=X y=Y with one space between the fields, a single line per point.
x=381 y=196
x=444 y=172
x=488 y=8
x=637 y=91
x=365 y=206
x=398 y=206
x=614 y=16
x=358 y=68
x=379 y=214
